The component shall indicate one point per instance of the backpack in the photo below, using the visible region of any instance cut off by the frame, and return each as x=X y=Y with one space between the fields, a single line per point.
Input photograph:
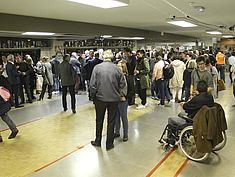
x=5 y=94
x=168 y=71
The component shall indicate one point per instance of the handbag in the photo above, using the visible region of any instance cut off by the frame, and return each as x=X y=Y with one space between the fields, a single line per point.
x=5 y=93
x=221 y=85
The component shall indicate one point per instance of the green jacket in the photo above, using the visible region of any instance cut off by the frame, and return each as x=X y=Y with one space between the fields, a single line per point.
x=144 y=69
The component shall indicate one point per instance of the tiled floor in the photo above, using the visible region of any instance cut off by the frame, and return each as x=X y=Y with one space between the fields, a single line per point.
x=135 y=158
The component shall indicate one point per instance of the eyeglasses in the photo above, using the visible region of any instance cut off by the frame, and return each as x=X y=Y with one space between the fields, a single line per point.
x=201 y=63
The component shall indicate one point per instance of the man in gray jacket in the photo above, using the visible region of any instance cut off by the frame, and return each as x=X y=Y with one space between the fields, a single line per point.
x=107 y=87
x=67 y=76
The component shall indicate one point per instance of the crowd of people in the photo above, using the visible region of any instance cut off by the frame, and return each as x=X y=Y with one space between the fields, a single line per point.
x=112 y=81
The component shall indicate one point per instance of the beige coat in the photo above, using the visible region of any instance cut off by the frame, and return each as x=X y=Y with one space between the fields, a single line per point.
x=177 y=79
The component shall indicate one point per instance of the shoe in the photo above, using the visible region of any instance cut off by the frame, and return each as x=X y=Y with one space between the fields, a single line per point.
x=168 y=104
x=40 y=99
x=109 y=147
x=34 y=98
x=116 y=135
x=140 y=107
x=13 y=134
x=19 y=106
x=1 y=140
x=50 y=97
x=65 y=109
x=125 y=138
x=161 y=105
x=74 y=111
x=29 y=101
x=155 y=98
x=94 y=143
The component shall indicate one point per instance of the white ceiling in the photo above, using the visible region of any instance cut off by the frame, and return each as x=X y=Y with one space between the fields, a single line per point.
x=139 y=14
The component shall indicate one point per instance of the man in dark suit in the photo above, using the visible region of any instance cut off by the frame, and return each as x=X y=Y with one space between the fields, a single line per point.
x=67 y=75
x=13 y=78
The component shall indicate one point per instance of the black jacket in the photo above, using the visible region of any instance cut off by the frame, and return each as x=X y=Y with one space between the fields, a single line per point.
x=131 y=64
x=193 y=106
x=66 y=73
x=187 y=77
x=13 y=75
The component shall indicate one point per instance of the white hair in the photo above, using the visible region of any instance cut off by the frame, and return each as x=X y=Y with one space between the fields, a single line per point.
x=10 y=57
x=108 y=55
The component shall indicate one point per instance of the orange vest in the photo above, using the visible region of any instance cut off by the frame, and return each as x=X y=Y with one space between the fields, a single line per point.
x=220 y=59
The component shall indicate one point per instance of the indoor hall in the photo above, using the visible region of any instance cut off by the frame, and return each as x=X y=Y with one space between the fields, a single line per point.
x=56 y=143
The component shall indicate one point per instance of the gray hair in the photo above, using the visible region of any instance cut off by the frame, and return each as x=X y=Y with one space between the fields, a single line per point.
x=108 y=55
x=10 y=57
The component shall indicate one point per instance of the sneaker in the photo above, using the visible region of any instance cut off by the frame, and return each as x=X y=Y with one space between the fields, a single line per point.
x=116 y=135
x=168 y=104
x=140 y=107
x=13 y=134
x=161 y=105
x=125 y=138
x=109 y=147
x=94 y=143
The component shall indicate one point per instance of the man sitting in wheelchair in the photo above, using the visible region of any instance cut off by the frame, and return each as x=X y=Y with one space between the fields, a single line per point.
x=175 y=124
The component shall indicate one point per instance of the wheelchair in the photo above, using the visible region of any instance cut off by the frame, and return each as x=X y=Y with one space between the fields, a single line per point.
x=182 y=136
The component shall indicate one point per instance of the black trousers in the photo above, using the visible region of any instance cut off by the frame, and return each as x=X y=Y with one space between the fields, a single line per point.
x=15 y=91
x=44 y=87
x=72 y=95
x=141 y=92
x=25 y=86
x=100 y=109
x=131 y=89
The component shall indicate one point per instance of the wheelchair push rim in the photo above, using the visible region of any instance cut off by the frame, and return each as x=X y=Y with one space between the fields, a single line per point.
x=222 y=144
x=188 y=145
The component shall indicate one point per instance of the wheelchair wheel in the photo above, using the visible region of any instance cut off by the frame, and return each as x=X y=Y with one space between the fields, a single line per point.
x=222 y=144
x=188 y=145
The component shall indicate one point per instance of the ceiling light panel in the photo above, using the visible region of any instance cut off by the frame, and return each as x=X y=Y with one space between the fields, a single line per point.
x=38 y=33
x=102 y=3
x=227 y=36
x=182 y=23
x=214 y=32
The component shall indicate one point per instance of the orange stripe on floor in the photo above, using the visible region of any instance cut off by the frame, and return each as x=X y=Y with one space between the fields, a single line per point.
x=170 y=166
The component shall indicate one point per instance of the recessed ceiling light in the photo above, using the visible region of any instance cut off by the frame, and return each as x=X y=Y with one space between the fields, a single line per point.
x=103 y=3
x=213 y=32
x=106 y=36
x=227 y=36
x=129 y=38
x=182 y=23
x=38 y=33
x=199 y=8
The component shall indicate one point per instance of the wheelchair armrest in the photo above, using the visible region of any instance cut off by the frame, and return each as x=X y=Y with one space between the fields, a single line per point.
x=185 y=117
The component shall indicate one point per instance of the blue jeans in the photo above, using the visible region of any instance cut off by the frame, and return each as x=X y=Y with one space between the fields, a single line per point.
x=220 y=69
x=56 y=84
x=163 y=91
x=122 y=112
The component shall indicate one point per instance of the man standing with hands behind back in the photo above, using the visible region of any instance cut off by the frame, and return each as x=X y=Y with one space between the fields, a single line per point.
x=107 y=87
